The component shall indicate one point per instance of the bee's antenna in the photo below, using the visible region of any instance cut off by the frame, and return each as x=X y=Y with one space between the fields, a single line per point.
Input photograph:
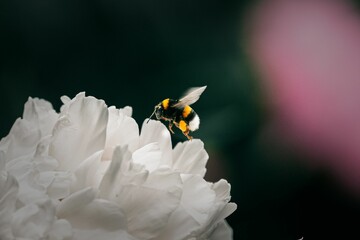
x=151 y=115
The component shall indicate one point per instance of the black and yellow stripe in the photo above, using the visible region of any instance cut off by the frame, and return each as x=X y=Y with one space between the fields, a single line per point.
x=165 y=103
x=188 y=114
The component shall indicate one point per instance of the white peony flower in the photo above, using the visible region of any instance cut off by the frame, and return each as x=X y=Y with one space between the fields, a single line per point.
x=87 y=173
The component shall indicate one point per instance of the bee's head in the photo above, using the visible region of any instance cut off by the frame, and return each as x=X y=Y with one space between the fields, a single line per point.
x=158 y=110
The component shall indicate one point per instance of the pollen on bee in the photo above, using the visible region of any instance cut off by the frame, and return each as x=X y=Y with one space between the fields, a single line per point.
x=183 y=125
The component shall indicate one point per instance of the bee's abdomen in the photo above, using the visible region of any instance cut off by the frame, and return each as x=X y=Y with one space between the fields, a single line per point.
x=188 y=113
x=192 y=119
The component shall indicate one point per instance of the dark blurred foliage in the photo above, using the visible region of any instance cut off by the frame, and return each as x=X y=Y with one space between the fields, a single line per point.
x=141 y=51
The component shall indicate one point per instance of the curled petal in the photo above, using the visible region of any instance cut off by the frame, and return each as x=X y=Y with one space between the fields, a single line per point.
x=42 y=160
x=198 y=198
x=222 y=190
x=21 y=141
x=126 y=110
x=225 y=211
x=221 y=209
x=65 y=99
x=30 y=188
x=155 y=131
x=202 y=208
x=163 y=178
x=190 y=157
x=79 y=132
x=71 y=203
x=148 y=156
x=59 y=186
x=86 y=213
x=41 y=114
x=90 y=172
x=179 y=226
x=193 y=212
x=38 y=221
x=38 y=120
x=121 y=130
x=111 y=181
x=222 y=232
x=144 y=205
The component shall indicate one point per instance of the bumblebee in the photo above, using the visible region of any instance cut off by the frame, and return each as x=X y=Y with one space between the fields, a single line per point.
x=179 y=112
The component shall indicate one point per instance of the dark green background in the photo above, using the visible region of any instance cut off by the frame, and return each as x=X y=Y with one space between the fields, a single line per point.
x=138 y=52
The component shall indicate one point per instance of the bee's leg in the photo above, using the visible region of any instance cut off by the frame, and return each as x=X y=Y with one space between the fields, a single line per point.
x=186 y=133
x=170 y=127
x=183 y=126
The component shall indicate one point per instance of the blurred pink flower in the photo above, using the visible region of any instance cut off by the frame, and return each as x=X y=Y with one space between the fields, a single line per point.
x=308 y=53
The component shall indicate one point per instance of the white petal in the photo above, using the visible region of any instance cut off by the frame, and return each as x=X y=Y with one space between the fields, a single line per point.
x=22 y=140
x=228 y=209
x=20 y=166
x=194 y=212
x=155 y=131
x=30 y=190
x=60 y=230
x=147 y=209
x=65 y=99
x=197 y=197
x=70 y=204
x=41 y=114
x=222 y=232
x=96 y=179
x=79 y=132
x=121 y=130
x=148 y=156
x=220 y=209
x=8 y=192
x=46 y=163
x=180 y=225
x=127 y=111
x=147 y=199
x=4 y=145
x=111 y=180
x=222 y=190
x=190 y=157
x=60 y=185
x=34 y=221
x=164 y=179
x=198 y=212
x=38 y=120
x=41 y=159
x=86 y=174
x=83 y=211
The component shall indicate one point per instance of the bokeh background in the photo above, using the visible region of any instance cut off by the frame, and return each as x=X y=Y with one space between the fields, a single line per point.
x=289 y=179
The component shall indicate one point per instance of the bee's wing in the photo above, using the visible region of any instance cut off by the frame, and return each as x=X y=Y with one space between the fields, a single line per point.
x=190 y=97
